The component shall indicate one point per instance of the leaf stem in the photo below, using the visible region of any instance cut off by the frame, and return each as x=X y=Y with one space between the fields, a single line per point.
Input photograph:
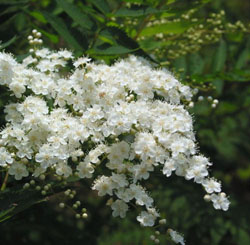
x=5 y=181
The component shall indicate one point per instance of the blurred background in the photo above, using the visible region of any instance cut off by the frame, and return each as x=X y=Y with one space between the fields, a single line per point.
x=206 y=44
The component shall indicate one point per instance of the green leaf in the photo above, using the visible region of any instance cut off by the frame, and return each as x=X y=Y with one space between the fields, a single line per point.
x=219 y=84
x=52 y=37
x=225 y=107
x=137 y=11
x=5 y=214
x=220 y=57
x=10 y=10
x=195 y=63
x=134 y=1
x=8 y=43
x=113 y=50
x=15 y=201
x=122 y=39
x=20 y=21
x=37 y=15
x=102 y=5
x=171 y=27
x=243 y=57
x=243 y=237
x=76 y=14
x=58 y=24
x=236 y=76
x=21 y=57
x=9 y=2
x=150 y=44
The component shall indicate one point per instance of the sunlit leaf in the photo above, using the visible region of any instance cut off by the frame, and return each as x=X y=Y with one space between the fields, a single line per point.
x=171 y=27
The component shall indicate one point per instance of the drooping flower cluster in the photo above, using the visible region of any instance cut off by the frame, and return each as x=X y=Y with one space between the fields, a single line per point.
x=126 y=118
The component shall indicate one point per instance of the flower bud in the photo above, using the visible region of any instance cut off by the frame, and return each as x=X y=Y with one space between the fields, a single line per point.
x=61 y=205
x=207 y=198
x=84 y=215
x=152 y=237
x=162 y=221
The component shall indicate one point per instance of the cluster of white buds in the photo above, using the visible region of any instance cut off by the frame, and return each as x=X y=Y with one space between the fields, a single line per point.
x=214 y=102
x=126 y=120
x=154 y=237
x=35 y=39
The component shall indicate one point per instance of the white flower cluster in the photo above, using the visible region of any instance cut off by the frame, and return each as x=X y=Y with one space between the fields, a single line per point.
x=126 y=120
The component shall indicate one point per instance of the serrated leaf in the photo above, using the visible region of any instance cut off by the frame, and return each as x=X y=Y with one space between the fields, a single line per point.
x=171 y=27
x=220 y=57
x=76 y=14
x=58 y=24
x=8 y=43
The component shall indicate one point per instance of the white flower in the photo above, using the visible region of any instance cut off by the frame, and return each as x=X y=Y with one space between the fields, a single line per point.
x=220 y=201
x=5 y=157
x=118 y=152
x=119 y=208
x=211 y=185
x=18 y=88
x=103 y=185
x=176 y=237
x=169 y=166
x=38 y=171
x=45 y=156
x=146 y=219
x=198 y=173
x=19 y=170
x=63 y=169
x=66 y=54
x=119 y=180
x=7 y=65
x=43 y=53
x=81 y=61
x=85 y=169
x=141 y=171
x=125 y=194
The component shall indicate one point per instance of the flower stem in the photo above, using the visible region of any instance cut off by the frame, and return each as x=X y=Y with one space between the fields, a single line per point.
x=5 y=181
